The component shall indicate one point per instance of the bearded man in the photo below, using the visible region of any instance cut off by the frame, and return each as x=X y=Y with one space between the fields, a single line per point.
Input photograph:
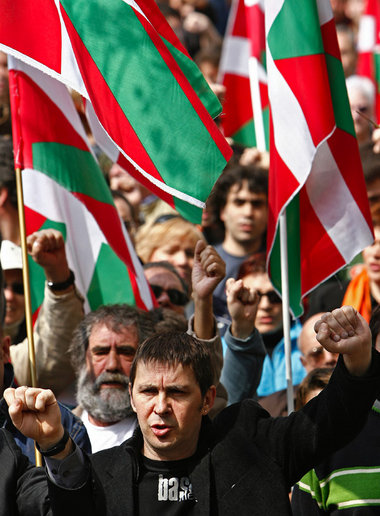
x=102 y=351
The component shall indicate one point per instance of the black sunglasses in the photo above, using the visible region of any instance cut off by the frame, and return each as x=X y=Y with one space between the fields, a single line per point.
x=176 y=296
x=272 y=296
x=17 y=288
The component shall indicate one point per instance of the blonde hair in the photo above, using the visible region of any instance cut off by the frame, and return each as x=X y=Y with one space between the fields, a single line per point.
x=150 y=238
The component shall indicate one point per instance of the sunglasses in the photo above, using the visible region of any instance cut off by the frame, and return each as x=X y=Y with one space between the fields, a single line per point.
x=17 y=288
x=176 y=296
x=271 y=295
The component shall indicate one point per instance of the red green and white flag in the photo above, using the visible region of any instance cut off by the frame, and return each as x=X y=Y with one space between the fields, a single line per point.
x=315 y=171
x=147 y=93
x=64 y=189
x=369 y=47
x=242 y=71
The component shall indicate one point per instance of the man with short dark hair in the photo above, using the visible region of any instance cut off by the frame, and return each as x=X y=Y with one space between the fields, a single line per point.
x=178 y=461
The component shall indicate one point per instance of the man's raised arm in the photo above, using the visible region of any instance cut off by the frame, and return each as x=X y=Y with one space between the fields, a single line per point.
x=61 y=312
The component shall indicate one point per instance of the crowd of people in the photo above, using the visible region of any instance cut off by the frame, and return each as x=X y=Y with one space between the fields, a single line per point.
x=180 y=410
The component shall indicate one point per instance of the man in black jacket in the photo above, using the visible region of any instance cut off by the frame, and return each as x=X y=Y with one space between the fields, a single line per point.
x=178 y=462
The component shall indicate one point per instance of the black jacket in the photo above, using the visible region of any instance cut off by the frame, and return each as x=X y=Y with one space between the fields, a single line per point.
x=23 y=487
x=247 y=460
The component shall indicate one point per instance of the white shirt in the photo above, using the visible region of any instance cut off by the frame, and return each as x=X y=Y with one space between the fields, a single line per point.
x=104 y=437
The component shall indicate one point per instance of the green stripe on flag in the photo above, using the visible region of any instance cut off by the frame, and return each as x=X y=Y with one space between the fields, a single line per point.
x=60 y=162
x=197 y=80
x=144 y=86
x=294 y=259
x=37 y=284
x=109 y=284
x=341 y=105
x=246 y=134
x=188 y=211
x=296 y=31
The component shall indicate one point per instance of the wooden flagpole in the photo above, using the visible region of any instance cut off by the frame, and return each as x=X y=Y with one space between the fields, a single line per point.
x=17 y=142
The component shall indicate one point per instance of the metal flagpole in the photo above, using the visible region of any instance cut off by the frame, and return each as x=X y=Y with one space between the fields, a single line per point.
x=253 y=70
x=286 y=311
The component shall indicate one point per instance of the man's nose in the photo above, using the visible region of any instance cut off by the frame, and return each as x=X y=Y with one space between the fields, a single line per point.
x=330 y=359
x=161 y=405
x=247 y=209
x=113 y=361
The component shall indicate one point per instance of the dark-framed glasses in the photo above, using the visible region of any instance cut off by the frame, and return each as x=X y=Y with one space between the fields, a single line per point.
x=271 y=295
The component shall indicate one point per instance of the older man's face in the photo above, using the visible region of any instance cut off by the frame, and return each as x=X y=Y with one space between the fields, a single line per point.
x=110 y=352
x=103 y=382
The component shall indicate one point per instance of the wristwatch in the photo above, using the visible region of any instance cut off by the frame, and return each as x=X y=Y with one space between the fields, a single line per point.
x=63 y=285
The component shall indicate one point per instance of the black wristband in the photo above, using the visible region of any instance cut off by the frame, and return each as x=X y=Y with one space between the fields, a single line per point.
x=63 y=285
x=57 y=448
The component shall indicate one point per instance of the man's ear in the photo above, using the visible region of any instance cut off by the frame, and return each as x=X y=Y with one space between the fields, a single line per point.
x=131 y=398
x=208 y=400
x=5 y=344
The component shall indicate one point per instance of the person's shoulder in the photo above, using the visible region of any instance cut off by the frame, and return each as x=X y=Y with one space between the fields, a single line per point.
x=245 y=413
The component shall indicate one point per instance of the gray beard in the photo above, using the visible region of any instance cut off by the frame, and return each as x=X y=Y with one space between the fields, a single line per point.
x=108 y=405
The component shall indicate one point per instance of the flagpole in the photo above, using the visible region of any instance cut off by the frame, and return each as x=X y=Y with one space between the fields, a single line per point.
x=253 y=70
x=286 y=311
x=28 y=304
x=17 y=143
